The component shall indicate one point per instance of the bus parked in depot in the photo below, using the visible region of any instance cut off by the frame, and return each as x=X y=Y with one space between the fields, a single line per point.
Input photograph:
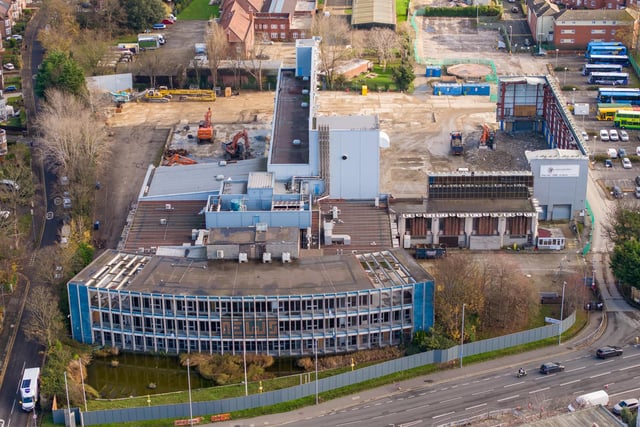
x=608 y=111
x=606 y=50
x=626 y=119
x=619 y=95
x=609 y=59
x=601 y=68
x=613 y=79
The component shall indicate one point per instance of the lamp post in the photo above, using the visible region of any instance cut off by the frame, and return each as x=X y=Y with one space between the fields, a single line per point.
x=84 y=393
x=510 y=39
x=244 y=360
x=462 y=336
x=564 y=81
x=315 y=349
x=595 y=139
x=477 y=15
x=557 y=57
x=561 y=312
x=573 y=99
x=189 y=385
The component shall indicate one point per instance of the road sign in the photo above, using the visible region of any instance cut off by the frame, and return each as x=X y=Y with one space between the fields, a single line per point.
x=551 y=320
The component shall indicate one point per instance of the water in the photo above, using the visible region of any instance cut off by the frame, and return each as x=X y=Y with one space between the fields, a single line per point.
x=135 y=372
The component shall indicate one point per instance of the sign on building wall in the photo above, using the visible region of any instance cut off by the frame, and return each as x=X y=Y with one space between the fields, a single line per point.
x=556 y=171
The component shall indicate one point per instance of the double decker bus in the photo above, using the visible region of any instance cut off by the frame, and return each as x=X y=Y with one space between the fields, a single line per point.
x=608 y=111
x=627 y=119
x=613 y=79
x=601 y=68
x=619 y=95
x=609 y=59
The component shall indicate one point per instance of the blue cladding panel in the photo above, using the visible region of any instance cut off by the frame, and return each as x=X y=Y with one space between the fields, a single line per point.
x=80 y=313
x=423 y=310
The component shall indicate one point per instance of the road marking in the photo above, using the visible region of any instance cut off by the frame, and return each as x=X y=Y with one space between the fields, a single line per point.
x=474 y=407
x=624 y=392
x=443 y=415
x=481 y=392
x=599 y=375
x=412 y=423
x=570 y=382
x=631 y=355
x=50 y=215
x=539 y=390
x=509 y=398
x=577 y=369
x=628 y=367
x=511 y=385
x=451 y=400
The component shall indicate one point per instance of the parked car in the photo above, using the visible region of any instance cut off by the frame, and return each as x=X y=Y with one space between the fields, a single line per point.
x=612 y=153
x=9 y=66
x=617 y=192
x=159 y=26
x=585 y=135
x=551 y=367
x=10 y=88
x=626 y=163
x=622 y=152
x=515 y=9
x=637 y=193
x=613 y=135
x=608 y=163
x=630 y=404
x=168 y=21
x=608 y=351
x=638 y=181
x=624 y=136
x=539 y=52
x=527 y=42
x=604 y=135
x=637 y=151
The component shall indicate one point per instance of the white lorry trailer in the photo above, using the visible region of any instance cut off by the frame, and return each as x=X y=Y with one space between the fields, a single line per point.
x=594 y=398
x=29 y=388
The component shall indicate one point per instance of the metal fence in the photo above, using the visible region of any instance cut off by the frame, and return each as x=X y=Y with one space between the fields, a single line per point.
x=182 y=410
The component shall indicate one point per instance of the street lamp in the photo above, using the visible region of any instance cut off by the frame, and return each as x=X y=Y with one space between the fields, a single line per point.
x=561 y=312
x=564 y=82
x=462 y=336
x=595 y=139
x=189 y=385
x=557 y=57
x=315 y=349
x=510 y=38
x=244 y=360
x=573 y=100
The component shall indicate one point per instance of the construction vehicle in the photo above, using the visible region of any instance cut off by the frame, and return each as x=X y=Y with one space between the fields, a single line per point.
x=457 y=146
x=205 y=95
x=205 y=129
x=488 y=136
x=153 y=95
x=178 y=159
x=238 y=147
x=120 y=97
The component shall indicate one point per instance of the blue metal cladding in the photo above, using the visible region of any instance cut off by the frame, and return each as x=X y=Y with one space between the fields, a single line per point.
x=433 y=71
x=423 y=309
x=479 y=89
x=453 y=89
x=79 y=312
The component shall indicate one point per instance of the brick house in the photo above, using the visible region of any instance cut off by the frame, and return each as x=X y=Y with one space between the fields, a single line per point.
x=238 y=25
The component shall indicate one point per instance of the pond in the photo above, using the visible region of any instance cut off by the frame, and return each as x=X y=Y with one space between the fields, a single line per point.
x=137 y=374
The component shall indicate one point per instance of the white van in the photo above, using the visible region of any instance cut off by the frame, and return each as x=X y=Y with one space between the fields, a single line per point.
x=594 y=398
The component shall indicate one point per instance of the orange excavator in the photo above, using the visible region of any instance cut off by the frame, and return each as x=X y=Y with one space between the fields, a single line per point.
x=205 y=129
x=177 y=159
x=488 y=135
x=238 y=147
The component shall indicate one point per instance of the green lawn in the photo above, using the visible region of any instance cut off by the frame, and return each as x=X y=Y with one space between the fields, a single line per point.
x=199 y=10
x=381 y=81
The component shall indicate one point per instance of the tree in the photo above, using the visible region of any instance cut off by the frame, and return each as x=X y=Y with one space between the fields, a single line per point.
x=60 y=71
x=113 y=16
x=384 y=42
x=89 y=48
x=142 y=14
x=150 y=63
x=334 y=46
x=403 y=75
x=61 y=26
x=44 y=323
x=16 y=168
x=217 y=49
x=625 y=262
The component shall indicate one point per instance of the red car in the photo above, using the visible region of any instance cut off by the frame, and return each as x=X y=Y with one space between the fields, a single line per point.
x=167 y=21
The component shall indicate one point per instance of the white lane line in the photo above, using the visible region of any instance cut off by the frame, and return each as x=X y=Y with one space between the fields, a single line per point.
x=600 y=375
x=628 y=367
x=443 y=415
x=509 y=398
x=570 y=382
x=451 y=400
x=474 y=407
x=481 y=392
x=539 y=390
x=511 y=385
x=577 y=369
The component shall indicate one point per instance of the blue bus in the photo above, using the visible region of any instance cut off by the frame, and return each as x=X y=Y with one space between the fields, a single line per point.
x=612 y=79
x=596 y=43
x=606 y=50
x=601 y=68
x=609 y=59
x=621 y=95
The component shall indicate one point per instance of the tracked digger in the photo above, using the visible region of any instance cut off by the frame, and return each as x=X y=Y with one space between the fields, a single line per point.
x=205 y=129
x=238 y=147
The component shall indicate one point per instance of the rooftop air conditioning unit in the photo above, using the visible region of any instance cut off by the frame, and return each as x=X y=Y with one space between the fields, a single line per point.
x=266 y=257
x=163 y=221
x=220 y=254
x=304 y=105
x=168 y=207
x=296 y=142
x=286 y=257
x=242 y=257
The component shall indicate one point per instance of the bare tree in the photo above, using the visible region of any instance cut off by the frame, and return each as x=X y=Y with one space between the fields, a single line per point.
x=18 y=171
x=61 y=28
x=44 y=323
x=150 y=63
x=384 y=42
x=335 y=44
x=88 y=49
x=217 y=49
x=254 y=64
x=113 y=15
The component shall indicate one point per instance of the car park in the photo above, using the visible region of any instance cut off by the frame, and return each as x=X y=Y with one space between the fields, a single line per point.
x=612 y=153
x=630 y=404
x=613 y=135
x=608 y=351
x=551 y=367
x=626 y=163
x=622 y=152
x=159 y=26
x=9 y=66
x=624 y=136
x=604 y=135
x=608 y=163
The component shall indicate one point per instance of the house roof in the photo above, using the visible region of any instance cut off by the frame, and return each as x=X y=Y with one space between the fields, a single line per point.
x=236 y=23
x=373 y=12
x=544 y=8
x=594 y=15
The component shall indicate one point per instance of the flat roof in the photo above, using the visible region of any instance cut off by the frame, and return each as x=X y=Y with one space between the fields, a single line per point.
x=448 y=207
x=291 y=121
x=351 y=122
x=307 y=275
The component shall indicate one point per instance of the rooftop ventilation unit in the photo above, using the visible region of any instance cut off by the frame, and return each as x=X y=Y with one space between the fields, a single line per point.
x=296 y=142
x=266 y=257
x=220 y=254
x=163 y=221
x=168 y=207
x=304 y=105
x=286 y=257
x=242 y=257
